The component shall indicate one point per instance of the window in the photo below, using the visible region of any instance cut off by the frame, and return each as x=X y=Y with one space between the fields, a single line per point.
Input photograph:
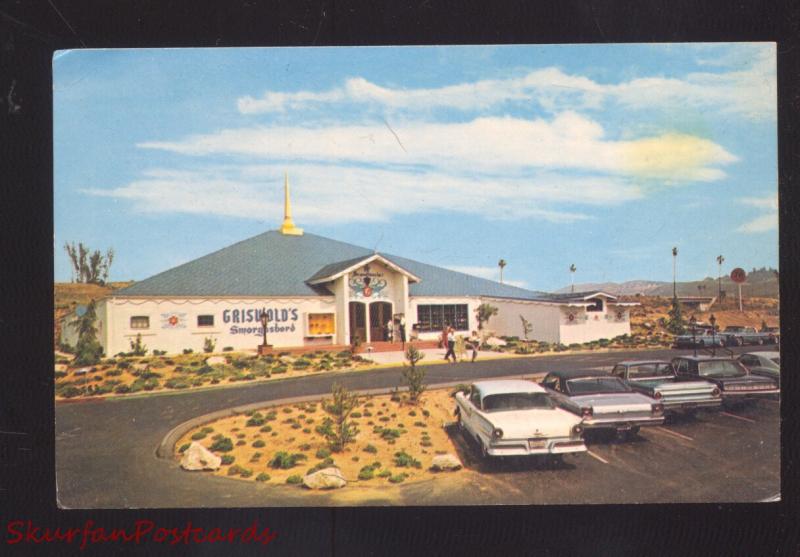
x=475 y=398
x=551 y=382
x=432 y=317
x=597 y=305
x=205 y=320
x=140 y=322
x=681 y=367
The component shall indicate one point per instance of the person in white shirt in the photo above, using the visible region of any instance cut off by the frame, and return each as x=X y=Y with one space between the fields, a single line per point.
x=451 y=344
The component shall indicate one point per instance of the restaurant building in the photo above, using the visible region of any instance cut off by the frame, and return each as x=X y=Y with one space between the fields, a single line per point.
x=319 y=291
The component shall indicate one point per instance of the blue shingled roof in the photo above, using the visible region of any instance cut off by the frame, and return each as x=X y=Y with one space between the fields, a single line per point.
x=274 y=264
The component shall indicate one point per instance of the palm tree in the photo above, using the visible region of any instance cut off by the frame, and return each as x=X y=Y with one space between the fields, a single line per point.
x=674 y=263
x=720 y=260
x=572 y=269
x=502 y=263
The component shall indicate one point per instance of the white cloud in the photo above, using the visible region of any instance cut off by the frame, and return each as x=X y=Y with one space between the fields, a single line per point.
x=749 y=90
x=488 y=144
x=765 y=222
x=491 y=273
x=328 y=194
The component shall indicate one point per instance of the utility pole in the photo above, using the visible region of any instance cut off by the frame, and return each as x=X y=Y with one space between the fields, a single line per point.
x=674 y=270
x=720 y=260
x=502 y=263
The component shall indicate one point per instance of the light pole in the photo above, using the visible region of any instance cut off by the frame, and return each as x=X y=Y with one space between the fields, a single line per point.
x=264 y=322
x=713 y=321
x=720 y=260
x=693 y=324
x=502 y=263
x=572 y=269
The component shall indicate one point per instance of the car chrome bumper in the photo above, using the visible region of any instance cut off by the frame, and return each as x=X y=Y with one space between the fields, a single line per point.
x=749 y=394
x=672 y=405
x=522 y=447
x=621 y=423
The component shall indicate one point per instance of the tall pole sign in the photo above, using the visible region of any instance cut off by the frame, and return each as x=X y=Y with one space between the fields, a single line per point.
x=739 y=276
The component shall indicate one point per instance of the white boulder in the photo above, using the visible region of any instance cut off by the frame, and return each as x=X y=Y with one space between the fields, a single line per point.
x=494 y=341
x=215 y=360
x=327 y=478
x=445 y=462
x=197 y=457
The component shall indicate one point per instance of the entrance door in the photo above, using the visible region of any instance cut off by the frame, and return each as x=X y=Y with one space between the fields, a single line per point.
x=358 y=321
x=380 y=313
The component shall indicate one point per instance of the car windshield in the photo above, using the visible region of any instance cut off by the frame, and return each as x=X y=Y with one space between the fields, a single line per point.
x=720 y=368
x=592 y=385
x=516 y=401
x=648 y=370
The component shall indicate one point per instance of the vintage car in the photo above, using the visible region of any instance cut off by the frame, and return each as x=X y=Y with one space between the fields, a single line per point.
x=702 y=337
x=657 y=379
x=738 y=335
x=728 y=374
x=767 y=364
x=603 y=401
x=517 y=418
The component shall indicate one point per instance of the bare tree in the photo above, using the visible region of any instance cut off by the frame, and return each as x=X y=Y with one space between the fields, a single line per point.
x=89 y=268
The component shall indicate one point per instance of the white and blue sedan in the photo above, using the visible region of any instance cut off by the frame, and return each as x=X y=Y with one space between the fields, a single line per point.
x=517 y=418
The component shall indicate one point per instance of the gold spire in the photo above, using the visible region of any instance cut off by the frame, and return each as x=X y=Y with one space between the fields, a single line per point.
x=288 y=226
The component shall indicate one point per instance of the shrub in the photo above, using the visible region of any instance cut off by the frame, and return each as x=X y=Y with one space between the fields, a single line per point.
x=305 y=447
x=405 y=460
x=109 y=373
x=227 y=349
x=262 y=477
x=184 y=447
x=175 y=383
x=280 y=369
x=246 y=473
x=236 y=470
x=322 y=464
x=398 y=478
x=187 y=350
x=284 y=460
x=258 y=443
x=228 y=459
x=159 y=352
x=366 y=473
x=199 y=435
x=301 y=363
x=255 y=420
x=208 y=345
x=323 y=452
x=426 y=413
x=341 y=430
x=370 y=449
x=419 y=424
x=222 y=445
x=122 y=389
x=295 y=425
x=294 y=479
x=390 y=434
x=384 y=473
x=266 y=429
x=356 y=414
x=137 y=347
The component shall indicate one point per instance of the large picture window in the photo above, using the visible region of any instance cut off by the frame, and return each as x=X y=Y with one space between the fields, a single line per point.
x=597 y=305
x=205 y=320
x=433 y=317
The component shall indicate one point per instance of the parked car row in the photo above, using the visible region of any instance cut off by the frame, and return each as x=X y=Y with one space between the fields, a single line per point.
x=520 y=418
x=733 y=335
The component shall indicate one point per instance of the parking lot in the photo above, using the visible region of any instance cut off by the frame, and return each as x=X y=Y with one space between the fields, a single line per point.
x=105 y=453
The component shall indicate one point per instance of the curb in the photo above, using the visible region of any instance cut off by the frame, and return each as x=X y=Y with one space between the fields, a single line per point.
x=165 y=447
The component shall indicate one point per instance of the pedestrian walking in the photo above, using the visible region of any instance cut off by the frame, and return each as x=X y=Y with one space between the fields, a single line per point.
x=474 y=343
x=451 y=344
x=402 y=324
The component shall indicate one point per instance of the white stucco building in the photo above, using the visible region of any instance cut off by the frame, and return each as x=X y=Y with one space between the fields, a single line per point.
x=318 y=291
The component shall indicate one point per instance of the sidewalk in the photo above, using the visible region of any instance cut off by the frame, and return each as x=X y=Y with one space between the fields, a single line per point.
x=432 y=356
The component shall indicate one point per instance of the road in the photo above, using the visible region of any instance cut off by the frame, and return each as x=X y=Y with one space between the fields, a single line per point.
x=105 y=452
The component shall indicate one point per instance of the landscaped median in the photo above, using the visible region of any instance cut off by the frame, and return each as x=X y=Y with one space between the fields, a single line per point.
x=125 y=374
x=388 y=440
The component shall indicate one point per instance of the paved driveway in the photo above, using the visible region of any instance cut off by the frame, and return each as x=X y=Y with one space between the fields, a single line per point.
x=105 y=452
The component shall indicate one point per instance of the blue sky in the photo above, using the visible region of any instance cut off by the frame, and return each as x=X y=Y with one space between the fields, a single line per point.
x=602 y=156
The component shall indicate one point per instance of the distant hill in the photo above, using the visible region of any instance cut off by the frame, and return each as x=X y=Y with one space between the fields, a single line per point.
x=761 y=283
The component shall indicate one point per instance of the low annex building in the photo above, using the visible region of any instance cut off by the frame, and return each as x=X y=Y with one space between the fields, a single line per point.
x=319 y=291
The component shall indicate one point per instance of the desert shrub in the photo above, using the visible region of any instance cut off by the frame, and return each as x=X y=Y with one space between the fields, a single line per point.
x=280 y=369
x=396 y=479
x=228 y=349
x=223 y=445
x=159 y=352
x=294 y=479
x=426 y=413
x=366 y=473
x=390 y=434
x=265 y=429
x=283 y=460
x=187 y=350
x=246 y=473
x=235 y=470
x=356 y=414
x=295 y=425
x=241 y=442
x=263 y=477
x=384 y=473
x=301 y=363
x=323 y=452
x=147 y=374
x=184 y=447
x=258 y=443
x=175 y=383
x=205 y=368
x=208 y=345
x=322 y=464
x=419 y=424
x=228 y=459
x=110 y=373
x=370 y=449
x=255 y=420
x=271 y=415
x=305 y=447
x=122 y=389
x=199 y=435
x=137 y=346
x=405 y=460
